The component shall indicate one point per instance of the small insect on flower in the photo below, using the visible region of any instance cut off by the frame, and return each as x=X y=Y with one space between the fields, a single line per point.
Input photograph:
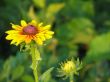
x=70 y=67
x=26 y=32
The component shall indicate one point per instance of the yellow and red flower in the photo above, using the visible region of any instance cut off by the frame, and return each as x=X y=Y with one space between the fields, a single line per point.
x=26 y=32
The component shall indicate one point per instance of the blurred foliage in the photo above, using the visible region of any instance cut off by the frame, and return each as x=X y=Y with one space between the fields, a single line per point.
x=82 y=29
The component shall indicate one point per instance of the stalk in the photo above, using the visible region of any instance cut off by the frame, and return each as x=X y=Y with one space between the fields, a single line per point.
x=36 y=75
x=71 y=78
x=35 y=59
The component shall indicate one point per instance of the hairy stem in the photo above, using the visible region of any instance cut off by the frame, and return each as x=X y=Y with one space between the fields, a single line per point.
x=35 y=59
x=35 y=75
x=71 y=78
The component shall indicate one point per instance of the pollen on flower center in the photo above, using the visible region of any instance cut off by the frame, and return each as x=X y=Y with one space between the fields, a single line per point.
x=29 y=30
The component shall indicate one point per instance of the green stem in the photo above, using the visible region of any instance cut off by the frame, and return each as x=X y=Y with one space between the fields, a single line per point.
x=71 y=78
x=35 y=75
x=35 y=58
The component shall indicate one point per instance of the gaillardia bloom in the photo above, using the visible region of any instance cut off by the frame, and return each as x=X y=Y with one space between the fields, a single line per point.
x=26 y=32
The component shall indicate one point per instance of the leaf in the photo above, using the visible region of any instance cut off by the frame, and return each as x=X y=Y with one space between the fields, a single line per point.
x=17 y=72
x=27 y=78
x=46 y=76
x=84 y=23
x=6 y=69
x=75 y=32
x=8 y=66
x=39 y=3
x=52 y=10
x=99 y=48
x=83 y=38
x=88 y=8
x=32 y=14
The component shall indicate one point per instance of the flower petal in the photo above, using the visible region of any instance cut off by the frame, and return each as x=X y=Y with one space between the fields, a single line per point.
x=12 y=32
x=40 y=24
x=28 y=39
x=38 y=41
x=13 y=41
x=47 y=36
x=23 y=23
x=50 y=32
x=16 y=27
x=33 y=22
x=47 y=27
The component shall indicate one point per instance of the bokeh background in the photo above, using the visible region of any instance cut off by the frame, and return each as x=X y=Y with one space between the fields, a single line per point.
x=82 y=30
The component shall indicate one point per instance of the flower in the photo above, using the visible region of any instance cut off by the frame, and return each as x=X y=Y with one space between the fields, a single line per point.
x=27 y=32
x=69 y=67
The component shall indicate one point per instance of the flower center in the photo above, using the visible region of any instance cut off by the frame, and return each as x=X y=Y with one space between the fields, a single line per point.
x=29 y=30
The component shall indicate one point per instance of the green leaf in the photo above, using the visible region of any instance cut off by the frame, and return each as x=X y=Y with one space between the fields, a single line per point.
x=52 y=10
x=88 y=8
x=99 y=48
x=8 y=66
x=17 y=72
x=32 y=14
x=46 y=75
x=27 y=78
x=75 y=32
x=39 y=3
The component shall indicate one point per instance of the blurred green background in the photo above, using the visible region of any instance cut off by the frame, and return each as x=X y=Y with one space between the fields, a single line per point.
x=82 y=30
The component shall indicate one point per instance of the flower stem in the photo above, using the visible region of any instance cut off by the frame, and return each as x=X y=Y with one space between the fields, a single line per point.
x=35 y=75
x=71 y=78
x=35 y=59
